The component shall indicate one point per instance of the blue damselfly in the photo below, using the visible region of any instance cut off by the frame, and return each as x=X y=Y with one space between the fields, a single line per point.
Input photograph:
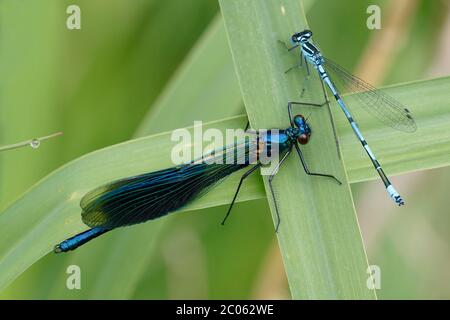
x=378 y=103
x=152 y=195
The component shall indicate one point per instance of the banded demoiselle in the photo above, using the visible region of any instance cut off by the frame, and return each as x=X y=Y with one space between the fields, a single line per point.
x=152 y=195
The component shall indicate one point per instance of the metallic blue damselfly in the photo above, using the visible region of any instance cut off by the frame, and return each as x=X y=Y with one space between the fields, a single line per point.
x=152 y=195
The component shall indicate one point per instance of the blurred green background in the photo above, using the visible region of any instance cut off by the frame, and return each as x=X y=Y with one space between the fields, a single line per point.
x=97 y=85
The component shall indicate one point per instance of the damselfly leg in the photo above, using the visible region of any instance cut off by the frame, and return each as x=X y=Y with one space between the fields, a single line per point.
x=287 y=47
x=300 y=60
x=305 y=167
x=247 y=125
x=245 y=175
x=271 y=177
x=310 y=104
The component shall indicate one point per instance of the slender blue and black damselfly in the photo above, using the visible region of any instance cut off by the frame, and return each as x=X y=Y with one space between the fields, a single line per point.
x=378 y=103
x=152 y=195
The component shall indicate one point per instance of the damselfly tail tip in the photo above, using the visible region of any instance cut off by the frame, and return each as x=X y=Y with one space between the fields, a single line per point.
x=57 y=249
x=399 y=201
x=395 y=195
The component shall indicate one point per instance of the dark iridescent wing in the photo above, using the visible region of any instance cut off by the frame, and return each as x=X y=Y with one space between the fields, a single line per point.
x=378 y=103
x=149 y=196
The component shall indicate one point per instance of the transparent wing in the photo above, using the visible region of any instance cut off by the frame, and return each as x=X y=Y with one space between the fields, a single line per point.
x=378 y=103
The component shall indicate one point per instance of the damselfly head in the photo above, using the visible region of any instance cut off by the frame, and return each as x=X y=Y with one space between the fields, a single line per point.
x=304 y=129
x=301 y=37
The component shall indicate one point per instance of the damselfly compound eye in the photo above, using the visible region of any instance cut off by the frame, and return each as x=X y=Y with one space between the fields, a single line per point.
x=303 y=138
